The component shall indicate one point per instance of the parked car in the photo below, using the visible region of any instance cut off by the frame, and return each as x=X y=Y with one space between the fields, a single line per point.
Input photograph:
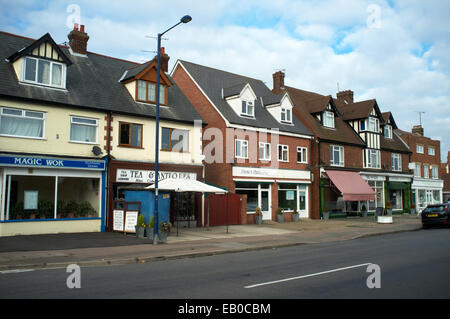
x=437 y=214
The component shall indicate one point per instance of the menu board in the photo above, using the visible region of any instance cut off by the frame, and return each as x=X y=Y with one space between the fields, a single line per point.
x=131 y=221
x=118 y=220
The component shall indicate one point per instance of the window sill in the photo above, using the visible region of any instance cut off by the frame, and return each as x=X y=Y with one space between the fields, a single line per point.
x=26 y=137
x=44 y=86
x=170 y=151
x=131 y=146
x=86 y=143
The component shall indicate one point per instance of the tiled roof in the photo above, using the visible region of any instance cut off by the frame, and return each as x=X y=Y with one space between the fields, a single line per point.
x=92 y=82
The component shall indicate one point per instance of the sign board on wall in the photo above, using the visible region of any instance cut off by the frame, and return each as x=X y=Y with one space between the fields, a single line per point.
x=118 y=220
x=48 y=162
x=148 y=177
x=242 y=171
x=125 y=221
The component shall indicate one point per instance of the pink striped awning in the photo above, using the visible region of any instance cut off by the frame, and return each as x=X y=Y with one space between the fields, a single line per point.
x=352 y=186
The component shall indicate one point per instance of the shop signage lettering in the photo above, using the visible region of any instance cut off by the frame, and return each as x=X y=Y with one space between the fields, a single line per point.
x=42 y=162
x=136 y=176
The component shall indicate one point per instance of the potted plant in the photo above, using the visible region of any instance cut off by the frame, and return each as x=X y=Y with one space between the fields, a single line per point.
x=85 y=209
x=325 y=213
x=280 y=216
x=140 y=226
x=149 y=230
x=389 y=209
x=258 y=216
x=363 y=211
x=72 y=209
x=295 y=215
x=61 y=209
x=164 y=229
x=413 y=209
x=17 y=212
x=45 y=208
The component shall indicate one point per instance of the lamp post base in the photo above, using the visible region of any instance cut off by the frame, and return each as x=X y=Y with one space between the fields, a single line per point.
x=155 y=239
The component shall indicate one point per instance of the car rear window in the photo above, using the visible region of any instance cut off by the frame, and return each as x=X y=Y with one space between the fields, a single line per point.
x=434 y=209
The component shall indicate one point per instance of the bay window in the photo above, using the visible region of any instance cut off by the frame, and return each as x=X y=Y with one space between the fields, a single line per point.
x=21 y=123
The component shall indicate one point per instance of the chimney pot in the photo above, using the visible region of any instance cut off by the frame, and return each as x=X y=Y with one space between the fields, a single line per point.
x=82 y=28
x=417 y=129
x=75 y=26
x=78 y=40
x=345 y=96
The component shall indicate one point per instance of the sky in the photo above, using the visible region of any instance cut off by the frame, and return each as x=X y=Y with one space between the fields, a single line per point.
x=395 y=51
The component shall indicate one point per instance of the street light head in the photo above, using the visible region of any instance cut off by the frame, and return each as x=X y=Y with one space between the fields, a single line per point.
x=186 y=19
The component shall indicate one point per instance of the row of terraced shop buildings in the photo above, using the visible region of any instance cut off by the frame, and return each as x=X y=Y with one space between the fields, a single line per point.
x=77 y=143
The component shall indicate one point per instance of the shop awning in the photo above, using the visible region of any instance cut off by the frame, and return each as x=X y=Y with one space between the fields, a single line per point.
x=352 y=186
x=187 y=185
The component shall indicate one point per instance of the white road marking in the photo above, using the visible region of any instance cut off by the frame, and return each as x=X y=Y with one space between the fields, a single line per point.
x=306 y=276
x=15 y=271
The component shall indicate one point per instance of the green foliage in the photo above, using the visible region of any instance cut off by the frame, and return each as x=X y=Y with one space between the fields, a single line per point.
x=152 y=222
x=45 y=208
x=72 y=207
x=164 y=226
x=85 y=208
x=279 y=211
x=140 y=221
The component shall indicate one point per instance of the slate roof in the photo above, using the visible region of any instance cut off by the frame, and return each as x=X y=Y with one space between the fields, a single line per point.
x=92 y=83
x=308 y=103
x=212 y=81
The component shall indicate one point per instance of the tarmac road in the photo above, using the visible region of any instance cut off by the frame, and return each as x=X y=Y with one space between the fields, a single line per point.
x=412 y=265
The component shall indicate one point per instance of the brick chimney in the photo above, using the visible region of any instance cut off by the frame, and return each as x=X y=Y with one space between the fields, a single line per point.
x=78 y=40
x=417 y=129
x=164 y=61
x=345 y=97
x=278 y=82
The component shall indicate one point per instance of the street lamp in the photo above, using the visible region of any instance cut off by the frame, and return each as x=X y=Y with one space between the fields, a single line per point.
x=184 y=19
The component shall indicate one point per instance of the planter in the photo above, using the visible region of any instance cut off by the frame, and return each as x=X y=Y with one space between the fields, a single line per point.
x=295 y=217
x=258 y=219
x=412 y=211
x=280 y=218
x=363 y=214
x=389 y=212
x=326 y=215
x=149 y=231
x=162 y=236
x=140 y=231
x=385 y=220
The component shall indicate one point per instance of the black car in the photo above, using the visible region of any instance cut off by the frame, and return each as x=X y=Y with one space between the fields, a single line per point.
x=437 y=214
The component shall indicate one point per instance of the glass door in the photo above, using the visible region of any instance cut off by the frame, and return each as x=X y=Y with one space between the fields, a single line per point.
x=265 y=202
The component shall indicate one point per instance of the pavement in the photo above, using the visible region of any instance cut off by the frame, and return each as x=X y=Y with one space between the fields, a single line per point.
x=52 y=251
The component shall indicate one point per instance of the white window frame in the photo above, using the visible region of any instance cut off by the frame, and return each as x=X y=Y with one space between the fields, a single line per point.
x=388 y=130
x=434 y=172
x=327 y=115
x=284 y=148
x=368 y=160
x=341 y=155
x=23 y=115
x=266 y=152
x=417 y=170
x=63 y=73
x=247 y=104
x=419 y=149
x=431 y=151
x=398 y=158
x=373 y=124
x=287 y=114
x=72 y=117
x=304 y=158
x=426 y=171
x=243 y=149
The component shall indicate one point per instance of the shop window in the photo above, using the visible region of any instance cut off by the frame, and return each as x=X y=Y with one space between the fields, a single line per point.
x=33 y=197
x=130 y=135
x=174 y=140
x=21 y=123
x=258 y=195
x=396 y=199
x=379 y=195
x=83 y=130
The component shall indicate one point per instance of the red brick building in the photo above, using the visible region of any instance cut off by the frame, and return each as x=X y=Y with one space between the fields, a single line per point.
x=426 y=161
x=253 y=145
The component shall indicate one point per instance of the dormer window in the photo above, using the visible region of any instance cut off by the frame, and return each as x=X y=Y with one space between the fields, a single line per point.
x=248 y=108
x=44 y=72
x=388 y=131
x=373 y=124
x=286 y=115
x=146 y=92
x=328 y=119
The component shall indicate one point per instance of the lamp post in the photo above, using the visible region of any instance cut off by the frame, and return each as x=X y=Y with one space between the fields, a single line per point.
x=184 y=19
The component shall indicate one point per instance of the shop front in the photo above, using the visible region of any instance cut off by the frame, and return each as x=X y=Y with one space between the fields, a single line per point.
x=128 y=186
x=426 y=192
x=272 y=189
x=42 y=195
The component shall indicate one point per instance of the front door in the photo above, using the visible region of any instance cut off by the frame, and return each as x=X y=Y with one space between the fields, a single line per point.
x=265 y=204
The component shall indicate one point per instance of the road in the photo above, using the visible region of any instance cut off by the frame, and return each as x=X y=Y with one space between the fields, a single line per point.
x=412 y=265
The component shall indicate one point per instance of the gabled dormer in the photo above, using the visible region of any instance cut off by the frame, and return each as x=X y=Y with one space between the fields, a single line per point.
x=324 y=110
x=279 y=106
x=388 y=125
x=140 y=81
x=241 y=98
x=41 y=63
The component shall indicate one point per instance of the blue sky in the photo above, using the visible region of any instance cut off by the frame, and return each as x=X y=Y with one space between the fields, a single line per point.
x=393 y=50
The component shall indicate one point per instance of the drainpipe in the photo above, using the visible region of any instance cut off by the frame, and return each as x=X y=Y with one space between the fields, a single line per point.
x=108 y=170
